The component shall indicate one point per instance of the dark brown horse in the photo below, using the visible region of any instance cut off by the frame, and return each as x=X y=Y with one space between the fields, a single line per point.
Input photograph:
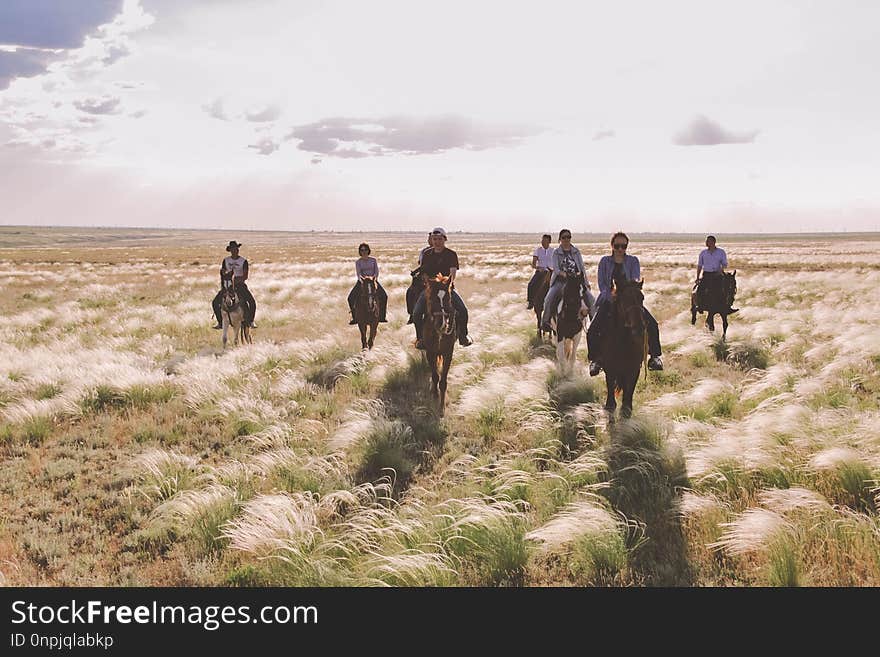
x=569 y=323
x=540 y=291
x=414 y=290
x=714 y=296
x=366 y=310
x=624 y=345
x=439 y=332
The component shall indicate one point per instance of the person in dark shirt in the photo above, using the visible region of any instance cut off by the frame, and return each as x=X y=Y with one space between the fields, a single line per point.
x=440 y=260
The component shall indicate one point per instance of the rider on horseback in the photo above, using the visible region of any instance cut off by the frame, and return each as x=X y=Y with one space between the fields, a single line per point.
x=711 y=264
x=440 y=260
x=416 y=287
x=616 y=268
x=367 y=265
x=542 y=261
x=239 y=268
x=567 y=261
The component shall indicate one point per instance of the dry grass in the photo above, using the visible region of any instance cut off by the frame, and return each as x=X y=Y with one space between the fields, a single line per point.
x=136 y=452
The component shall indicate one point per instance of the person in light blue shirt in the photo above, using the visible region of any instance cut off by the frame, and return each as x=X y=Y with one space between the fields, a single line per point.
x=711 y=264
x=616 y=268
x=567 y=261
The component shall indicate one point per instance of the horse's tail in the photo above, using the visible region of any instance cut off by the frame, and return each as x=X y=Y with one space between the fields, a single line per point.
x=645 y=354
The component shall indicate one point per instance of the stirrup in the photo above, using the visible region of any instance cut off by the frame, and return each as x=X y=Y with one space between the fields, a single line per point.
x=352 y=321
x=595 y=368
x=655 y=363
x=465 y=341
x=419 y=345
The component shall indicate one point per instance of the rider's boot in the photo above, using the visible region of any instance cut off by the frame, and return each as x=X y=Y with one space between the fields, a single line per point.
x=419 y=344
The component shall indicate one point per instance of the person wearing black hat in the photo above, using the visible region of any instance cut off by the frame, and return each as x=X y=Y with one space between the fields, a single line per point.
x=239 y=268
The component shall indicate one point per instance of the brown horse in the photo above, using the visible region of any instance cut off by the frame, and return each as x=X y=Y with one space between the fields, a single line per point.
x=366 y=310
x=624 y=345
x=439 y=332
x=714 y=296
x=569 y=323
x=538 y=295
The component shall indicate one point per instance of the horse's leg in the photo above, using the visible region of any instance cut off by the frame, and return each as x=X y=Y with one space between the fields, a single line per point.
x=363 y=330
x=610 y=402
x=435 y=376
x=373 y=328
x=710 y=321
x=575 y=341
x=724 y=325
x=447 y=362
x=693 y=310
x=560 y=353
x=629 y=389
x=225 y=328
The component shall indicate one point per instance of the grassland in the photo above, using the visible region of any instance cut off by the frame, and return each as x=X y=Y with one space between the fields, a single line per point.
x=134 y=451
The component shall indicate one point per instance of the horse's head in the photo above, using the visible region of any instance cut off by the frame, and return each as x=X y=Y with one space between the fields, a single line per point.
x=730 y=287
x=438 y=297
x=230 y=295
x=628 y=299
x=368 y=292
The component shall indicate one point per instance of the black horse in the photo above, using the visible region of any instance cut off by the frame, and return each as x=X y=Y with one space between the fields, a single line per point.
x=714 y=295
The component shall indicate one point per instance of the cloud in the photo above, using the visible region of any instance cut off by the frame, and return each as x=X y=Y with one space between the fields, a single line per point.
x=267 y=113
x=53 y=23
x=360 y=137
x=702 y=131
x=23 y=63
x=603 y=134
x=104 y=105
x=216 y=110
x=265 y=146
x=41 y=31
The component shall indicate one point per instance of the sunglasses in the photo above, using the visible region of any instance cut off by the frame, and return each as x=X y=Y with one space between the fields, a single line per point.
x=620 y=246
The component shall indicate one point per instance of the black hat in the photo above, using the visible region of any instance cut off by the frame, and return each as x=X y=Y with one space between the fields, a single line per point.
x=233 y=245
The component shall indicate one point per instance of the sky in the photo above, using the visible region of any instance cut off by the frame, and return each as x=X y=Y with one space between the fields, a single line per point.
x=477 y=116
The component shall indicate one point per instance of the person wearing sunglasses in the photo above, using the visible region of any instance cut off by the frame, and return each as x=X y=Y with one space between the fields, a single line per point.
x=567 y=261
x=367 y=265
x=440 y=260
x=617 y=268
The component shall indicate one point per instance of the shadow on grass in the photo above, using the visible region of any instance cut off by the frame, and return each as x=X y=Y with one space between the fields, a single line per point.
x=410 y=435
x=646 y=478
